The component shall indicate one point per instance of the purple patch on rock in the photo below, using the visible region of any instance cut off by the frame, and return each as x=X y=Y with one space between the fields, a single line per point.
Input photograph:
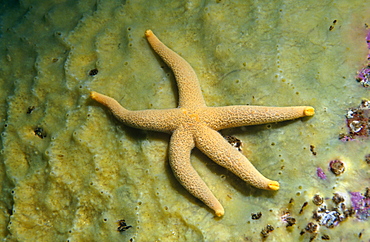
x=363 y=76
x=361 y=205
x=320 y=173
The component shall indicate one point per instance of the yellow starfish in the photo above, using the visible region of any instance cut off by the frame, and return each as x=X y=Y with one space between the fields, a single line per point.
x=193 y=124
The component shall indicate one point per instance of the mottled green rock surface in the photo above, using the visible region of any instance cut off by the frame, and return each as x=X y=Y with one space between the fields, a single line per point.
x=82 y=171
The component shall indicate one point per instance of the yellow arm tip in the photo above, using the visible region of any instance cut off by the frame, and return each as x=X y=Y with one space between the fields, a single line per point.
x=219 y=213
x=273 y=185
x=309 y=111
x=148 y=33
x=92 y=94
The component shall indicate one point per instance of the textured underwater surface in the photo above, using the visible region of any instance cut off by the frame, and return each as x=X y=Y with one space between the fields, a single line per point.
x=70 y=171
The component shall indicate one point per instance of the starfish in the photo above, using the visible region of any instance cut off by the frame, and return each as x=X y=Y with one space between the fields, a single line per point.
x=193 y=124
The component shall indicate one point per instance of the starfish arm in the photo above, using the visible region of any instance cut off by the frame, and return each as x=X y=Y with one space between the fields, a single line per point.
x=241 y=115
x=212 y=144
x=164 y=120
x=181 y=144
x=190 y=94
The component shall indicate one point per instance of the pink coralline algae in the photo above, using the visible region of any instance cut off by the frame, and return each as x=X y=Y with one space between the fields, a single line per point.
x=363 y=76
x=320 y=173
x=361 y=204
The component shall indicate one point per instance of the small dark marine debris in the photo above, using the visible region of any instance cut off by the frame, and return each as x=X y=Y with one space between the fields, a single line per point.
x=40 y=132
x=122 y=226
x=93 y=72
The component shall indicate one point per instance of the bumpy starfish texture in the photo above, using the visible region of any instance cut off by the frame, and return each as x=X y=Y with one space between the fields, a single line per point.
x=193 y=124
